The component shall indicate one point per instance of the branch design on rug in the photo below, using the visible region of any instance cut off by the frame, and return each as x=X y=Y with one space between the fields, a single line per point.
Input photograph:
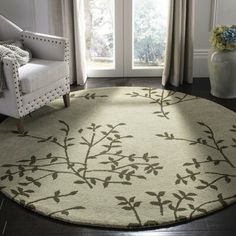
x=177 y=208
x=234 y=139
x=111 y=142
x=205 y=184
x=110 y=160
x=159 y=203
x=210 y=142
x=55 y=197
x=186 y=199
x=182 y=205
x=21 y=192
x=164 y=99
x=130 y=205
x=197 y=164
x=220 y=200
x=66 y=211
x=88 y=96
x=184 y=179
x=173 y=205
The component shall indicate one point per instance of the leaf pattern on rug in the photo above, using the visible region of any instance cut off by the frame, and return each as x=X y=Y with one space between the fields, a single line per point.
x=130 y=205
x=234 y=139
x=182 y=206
x=55 y=197
x=221 y=200
x=181 y=196
x=184 y=179
x=159 y=203
x=189 y=203
x=205 y=184
x=196 y=176
x=88 y=96
x=163 y=99
x=112 y=161
x=212 y=143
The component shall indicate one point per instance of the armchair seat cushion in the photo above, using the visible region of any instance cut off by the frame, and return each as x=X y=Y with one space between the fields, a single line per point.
x=38 y=74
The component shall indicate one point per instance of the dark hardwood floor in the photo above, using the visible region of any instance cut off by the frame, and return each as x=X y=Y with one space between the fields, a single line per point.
x=17 y=221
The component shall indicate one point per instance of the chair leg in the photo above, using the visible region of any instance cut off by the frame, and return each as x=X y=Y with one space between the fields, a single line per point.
x=66 y=99
x=20 y=125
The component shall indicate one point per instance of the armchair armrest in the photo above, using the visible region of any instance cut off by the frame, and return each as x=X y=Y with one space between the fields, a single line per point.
x=10 y=67
x=14 y=94
x=11 y=74
x=45 y=46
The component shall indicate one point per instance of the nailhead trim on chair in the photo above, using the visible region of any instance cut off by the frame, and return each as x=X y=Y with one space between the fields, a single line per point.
x=18 y=92
x=20 y=105
x=67 y=59
x=46 y=98
x=41 y=38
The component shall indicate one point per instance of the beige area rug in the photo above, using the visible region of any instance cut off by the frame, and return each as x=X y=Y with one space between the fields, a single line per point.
x=122 y=157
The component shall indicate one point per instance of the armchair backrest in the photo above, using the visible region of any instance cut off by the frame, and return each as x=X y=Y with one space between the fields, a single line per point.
x=8 y=30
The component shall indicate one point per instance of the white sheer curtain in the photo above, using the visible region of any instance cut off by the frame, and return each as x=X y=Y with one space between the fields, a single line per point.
x=179 y=53
x=66 y=18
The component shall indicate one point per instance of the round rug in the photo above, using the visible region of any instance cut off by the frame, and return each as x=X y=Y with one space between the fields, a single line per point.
x=122 y=157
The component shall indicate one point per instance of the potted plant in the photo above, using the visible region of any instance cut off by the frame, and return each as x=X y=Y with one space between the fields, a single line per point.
x=222 y=62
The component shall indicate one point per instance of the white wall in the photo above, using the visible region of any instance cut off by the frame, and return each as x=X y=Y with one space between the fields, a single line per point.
x=41 y=15
x=19 y=11
x=28 y=14
x=208 y=14
x=32 y=15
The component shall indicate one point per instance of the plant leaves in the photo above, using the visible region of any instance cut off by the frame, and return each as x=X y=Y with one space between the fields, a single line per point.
x=54 y=175
x=79 y=182
x=137 y=204
x=120 y=198
x=127 y=208
x=151 y=194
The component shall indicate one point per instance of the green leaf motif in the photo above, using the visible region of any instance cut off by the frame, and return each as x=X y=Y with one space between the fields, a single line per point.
x=54 y=175
x=79 y=182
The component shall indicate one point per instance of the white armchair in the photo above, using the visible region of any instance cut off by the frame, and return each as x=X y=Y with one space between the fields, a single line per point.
x=43 y=79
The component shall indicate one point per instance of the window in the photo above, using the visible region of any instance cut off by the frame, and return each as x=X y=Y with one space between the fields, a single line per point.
x=125 y=37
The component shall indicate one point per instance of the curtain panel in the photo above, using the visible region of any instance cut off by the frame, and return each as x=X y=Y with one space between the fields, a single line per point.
x=179 y=52
x=66 y=18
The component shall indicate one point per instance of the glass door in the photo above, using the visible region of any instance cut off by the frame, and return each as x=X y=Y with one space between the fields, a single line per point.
x=145 y=37
x=125 y=37
x=104 y=37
